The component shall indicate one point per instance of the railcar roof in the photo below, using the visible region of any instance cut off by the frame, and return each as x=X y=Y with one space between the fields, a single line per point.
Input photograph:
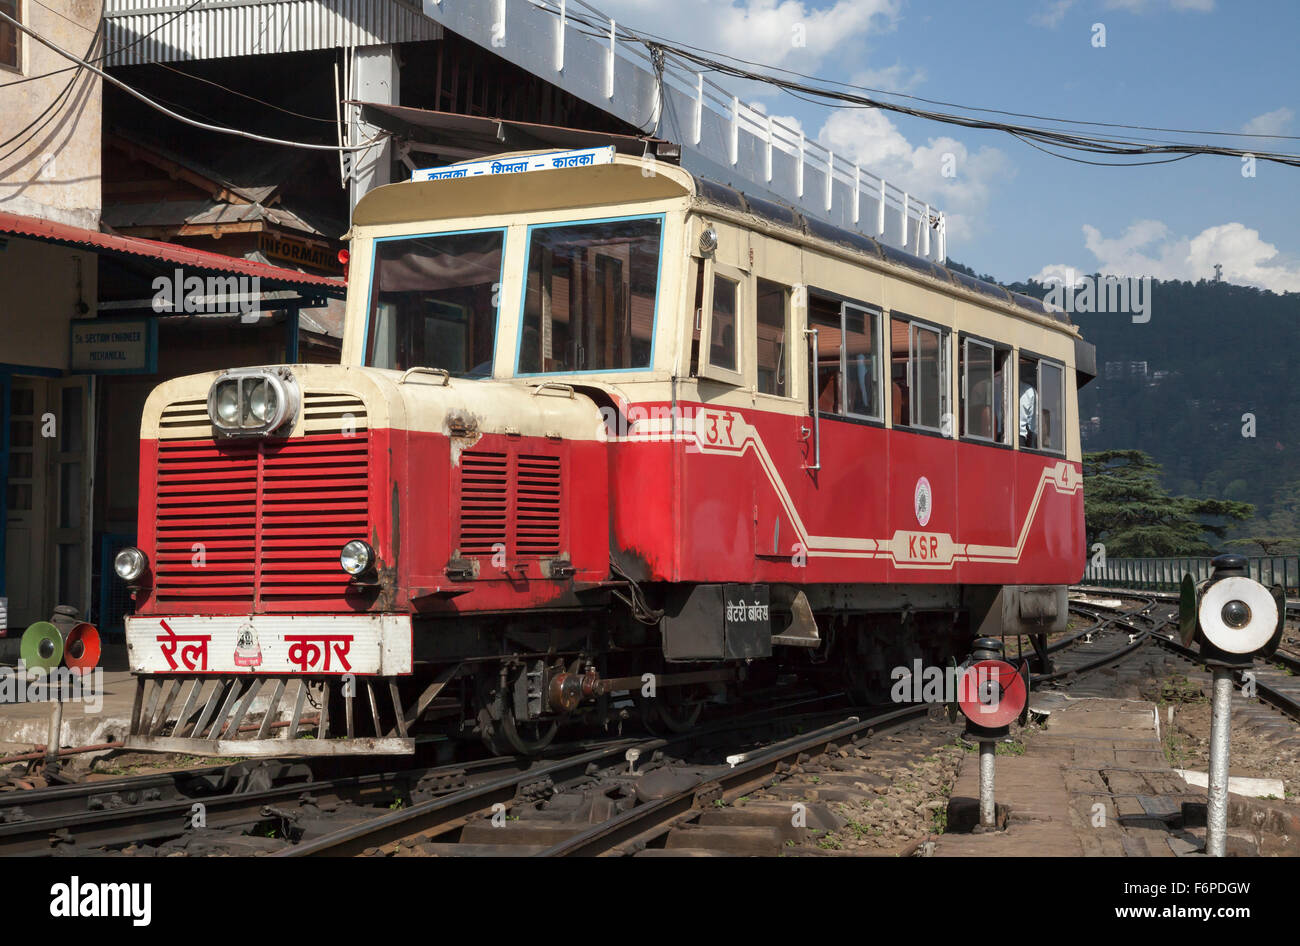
x=788 y=217
x=624 y=180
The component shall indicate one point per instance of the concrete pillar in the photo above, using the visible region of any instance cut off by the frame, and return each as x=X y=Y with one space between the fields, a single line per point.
x=375 y=78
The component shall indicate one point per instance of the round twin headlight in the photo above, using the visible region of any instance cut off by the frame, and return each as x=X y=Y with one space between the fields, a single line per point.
x=253 y=402
x=129 y=563
x=226 y=403
x=356 y=557
x=261 y=401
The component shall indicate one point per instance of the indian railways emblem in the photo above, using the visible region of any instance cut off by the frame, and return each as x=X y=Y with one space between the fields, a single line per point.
x=921 y=501
x=248 y=652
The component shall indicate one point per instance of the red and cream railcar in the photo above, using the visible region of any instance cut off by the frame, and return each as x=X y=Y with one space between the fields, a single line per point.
x=592 y=423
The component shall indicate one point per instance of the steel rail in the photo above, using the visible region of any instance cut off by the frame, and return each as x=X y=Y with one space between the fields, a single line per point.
x=443 y=814
x=638 y=825
x=166 y=818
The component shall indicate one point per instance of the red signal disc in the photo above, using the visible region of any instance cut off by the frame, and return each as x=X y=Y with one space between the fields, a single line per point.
x=81 y=648
x=991 y=693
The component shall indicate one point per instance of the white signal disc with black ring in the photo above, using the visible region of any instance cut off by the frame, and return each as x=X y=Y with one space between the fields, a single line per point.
x=1261 y=618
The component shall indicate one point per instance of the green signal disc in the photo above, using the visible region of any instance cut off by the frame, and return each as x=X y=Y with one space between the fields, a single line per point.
x=42 y=645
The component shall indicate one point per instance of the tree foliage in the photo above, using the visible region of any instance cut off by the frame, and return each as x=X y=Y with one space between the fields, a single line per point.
x=1208 y=387
x=1279 y=533
x=1128 y=510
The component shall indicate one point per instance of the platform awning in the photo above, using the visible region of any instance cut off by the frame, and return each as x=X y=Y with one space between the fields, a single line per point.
x=474 y=136
x=272 y=278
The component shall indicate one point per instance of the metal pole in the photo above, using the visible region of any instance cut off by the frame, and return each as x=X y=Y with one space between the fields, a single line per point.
x=1216 y=834
x=55 y=737
x=988 y=809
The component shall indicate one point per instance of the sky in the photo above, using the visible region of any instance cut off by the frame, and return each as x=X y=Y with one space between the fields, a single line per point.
x=1014 y=212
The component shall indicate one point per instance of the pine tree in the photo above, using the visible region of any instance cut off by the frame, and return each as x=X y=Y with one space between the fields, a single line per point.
x=1279 y=534
x=1128 y=510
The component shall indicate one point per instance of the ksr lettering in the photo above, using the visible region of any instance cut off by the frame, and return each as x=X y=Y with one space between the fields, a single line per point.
x=923 y=546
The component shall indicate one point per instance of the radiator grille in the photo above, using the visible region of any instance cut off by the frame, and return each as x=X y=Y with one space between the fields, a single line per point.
x=261 y=522
x=509 y=501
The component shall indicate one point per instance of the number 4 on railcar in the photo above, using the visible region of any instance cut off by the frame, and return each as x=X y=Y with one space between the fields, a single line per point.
x=603 y=443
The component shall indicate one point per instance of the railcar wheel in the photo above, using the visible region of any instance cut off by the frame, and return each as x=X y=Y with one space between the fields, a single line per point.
x=502 y=732
x=529 y=738
x=672 y=711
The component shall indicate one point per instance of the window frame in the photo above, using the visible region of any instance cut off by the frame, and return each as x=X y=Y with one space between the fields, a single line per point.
x=19 y=45
x=523 y=294
x=370 y=284
x=871 y=320
x=962 y=394
x=874 y=314
x=790 y=349
x=945 y=381
x=706 y=369
x=1039 y=361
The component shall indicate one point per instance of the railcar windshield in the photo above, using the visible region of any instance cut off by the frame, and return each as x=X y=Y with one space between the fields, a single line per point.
x=434 y=302
x=590 y=296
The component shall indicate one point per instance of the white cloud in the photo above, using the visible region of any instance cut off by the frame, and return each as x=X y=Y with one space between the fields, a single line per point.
x=1275 y=122
x=1052 y=14
x=869 y=137
x=763 y=31
x=1146 y=248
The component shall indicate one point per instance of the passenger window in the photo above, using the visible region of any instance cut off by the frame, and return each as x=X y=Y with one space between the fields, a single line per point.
x=773 y=304
x=824 y=316
x=1052 y=405
x=848 y=358
x=919 y=376
x=983 y=390
x=1042 y=404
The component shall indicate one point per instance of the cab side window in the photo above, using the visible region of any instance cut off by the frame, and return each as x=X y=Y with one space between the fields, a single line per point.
x=726 y=303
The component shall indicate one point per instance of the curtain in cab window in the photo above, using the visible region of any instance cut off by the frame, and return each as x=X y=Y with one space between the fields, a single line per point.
x=434 y=303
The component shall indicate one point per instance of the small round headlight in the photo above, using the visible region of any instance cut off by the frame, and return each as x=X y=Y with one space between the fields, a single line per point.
x=356 y=557
x=129 y=563
x=227 y=403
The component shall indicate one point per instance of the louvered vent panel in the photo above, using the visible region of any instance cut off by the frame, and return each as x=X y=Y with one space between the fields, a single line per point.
x=484 y=502
x=509 y=501
x=537 y=505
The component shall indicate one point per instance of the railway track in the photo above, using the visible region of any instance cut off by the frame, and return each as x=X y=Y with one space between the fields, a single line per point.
x=676 y=806
x=642 y=807
x=619 y=796
x=1275 y=680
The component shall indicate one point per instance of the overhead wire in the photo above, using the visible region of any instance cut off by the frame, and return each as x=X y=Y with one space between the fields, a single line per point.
x=689 y=57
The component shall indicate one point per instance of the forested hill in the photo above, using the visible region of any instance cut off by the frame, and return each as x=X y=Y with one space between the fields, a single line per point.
x=1177 y=387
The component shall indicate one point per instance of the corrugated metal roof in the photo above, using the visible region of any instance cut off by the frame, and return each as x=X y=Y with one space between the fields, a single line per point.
x=273 y=276
x=243 y=28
